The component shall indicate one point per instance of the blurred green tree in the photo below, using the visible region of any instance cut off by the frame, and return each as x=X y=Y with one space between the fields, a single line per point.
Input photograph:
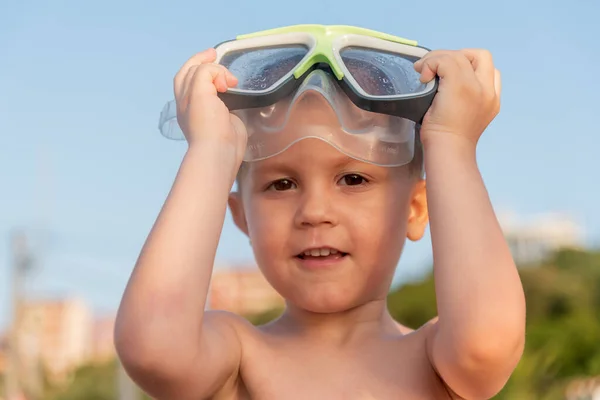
x=563 y=322
x=91 y=382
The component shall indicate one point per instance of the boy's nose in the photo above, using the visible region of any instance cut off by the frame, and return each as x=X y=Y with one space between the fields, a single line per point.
x=315 y=209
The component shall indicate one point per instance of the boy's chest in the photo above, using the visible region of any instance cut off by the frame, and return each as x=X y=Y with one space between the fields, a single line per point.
x=392 y=370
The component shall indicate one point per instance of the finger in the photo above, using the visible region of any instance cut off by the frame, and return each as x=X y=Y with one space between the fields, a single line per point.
x=224 y=80
x=497 y=83
x=443 y=65
x=221 y=82
x=207 y=80
x=185 y=86
x=438 y=53
x=483 y=65
x=427 y=74
x=204 y=57
x=230 y=78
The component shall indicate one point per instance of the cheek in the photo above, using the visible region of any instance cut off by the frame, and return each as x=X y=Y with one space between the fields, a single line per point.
x=380 y=235
x=385 y=220
x=395 y=220
x=268 y=229
x=268 y=226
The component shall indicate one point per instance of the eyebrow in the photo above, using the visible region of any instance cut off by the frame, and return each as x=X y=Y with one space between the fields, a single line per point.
x=342 y=161
x=271 y=167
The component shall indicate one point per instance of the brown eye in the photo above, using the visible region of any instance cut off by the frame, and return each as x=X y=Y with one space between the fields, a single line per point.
x=282 y=184
x=353 y=180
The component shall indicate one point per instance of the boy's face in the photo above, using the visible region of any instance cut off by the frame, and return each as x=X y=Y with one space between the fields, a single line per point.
x=313 y=197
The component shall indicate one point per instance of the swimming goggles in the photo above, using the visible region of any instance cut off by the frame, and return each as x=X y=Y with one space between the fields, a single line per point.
x=366 y=77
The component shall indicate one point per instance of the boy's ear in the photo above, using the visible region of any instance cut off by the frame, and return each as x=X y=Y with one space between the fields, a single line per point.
x=237 y=211
x=418 y=216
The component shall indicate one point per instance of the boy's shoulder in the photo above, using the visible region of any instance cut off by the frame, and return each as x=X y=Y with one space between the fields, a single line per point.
x=221 y=320
x=264 y=349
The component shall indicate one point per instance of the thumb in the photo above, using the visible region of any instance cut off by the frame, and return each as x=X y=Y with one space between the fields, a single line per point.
x=497 y=82
x=425 y=70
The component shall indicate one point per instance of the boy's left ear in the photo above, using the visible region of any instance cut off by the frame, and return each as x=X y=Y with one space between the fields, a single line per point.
x=237 y=211
x=418 y=216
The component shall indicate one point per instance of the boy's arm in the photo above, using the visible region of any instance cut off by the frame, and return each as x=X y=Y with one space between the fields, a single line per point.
x=166 y=342
x=479 y=337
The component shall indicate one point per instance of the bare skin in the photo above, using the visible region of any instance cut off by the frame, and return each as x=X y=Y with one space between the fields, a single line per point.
x=336 y=338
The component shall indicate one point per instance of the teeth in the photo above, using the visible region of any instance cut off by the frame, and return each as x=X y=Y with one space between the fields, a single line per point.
x=324 y=252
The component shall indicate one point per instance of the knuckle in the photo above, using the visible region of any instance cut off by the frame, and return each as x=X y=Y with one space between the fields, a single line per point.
x=211 y=69
x=498 y=74
x=222 y=70
x=497 y=106
x=201 y=75
x=483 y=54
x=453 y=60
x=431 y=53
x=176 y=83
x=489 y=96
x=178 y=78
x=486 y=54
x=192 y=74
x=434 y=57
x=463 y=60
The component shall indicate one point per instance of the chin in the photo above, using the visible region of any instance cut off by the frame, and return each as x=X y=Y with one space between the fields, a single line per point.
x=326 y=301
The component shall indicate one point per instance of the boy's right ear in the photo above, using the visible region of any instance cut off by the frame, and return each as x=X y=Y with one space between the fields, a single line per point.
x=237 y=211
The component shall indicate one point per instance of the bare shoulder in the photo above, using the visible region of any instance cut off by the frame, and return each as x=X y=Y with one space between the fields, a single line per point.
x=232 y=327
x=220 y=319
x=214 y=369
x=227 y=331
x=425 y=334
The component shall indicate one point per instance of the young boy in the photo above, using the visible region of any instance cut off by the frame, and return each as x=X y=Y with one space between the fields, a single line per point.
x=327 y=231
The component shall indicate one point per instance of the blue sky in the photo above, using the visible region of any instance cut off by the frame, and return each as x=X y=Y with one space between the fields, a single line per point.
x=83 y=166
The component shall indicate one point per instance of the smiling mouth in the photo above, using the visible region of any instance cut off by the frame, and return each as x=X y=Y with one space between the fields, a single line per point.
x=321 y=254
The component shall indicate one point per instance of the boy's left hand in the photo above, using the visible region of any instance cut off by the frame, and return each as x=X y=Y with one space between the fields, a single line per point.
x=468 y=97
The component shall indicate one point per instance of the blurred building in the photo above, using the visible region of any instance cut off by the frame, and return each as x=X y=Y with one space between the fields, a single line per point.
x=584 y=389
x=55 y=335
x=102 y=345
x=3 y=354
x=242 y=290
x=533 y=239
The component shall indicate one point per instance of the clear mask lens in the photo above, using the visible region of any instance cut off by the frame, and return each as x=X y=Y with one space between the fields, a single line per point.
x=382 y=73
x=320 y=109
x=260 y=69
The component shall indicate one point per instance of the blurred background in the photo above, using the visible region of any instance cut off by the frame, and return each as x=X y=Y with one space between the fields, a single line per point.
x=84 y=171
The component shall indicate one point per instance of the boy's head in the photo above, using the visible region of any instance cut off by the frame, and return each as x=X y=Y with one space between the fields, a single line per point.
x=328 y=230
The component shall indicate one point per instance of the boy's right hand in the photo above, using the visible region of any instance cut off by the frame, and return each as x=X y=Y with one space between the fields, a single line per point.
x=202 y=116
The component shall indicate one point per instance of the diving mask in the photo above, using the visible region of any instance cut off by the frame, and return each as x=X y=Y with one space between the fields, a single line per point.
x=366 y=77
